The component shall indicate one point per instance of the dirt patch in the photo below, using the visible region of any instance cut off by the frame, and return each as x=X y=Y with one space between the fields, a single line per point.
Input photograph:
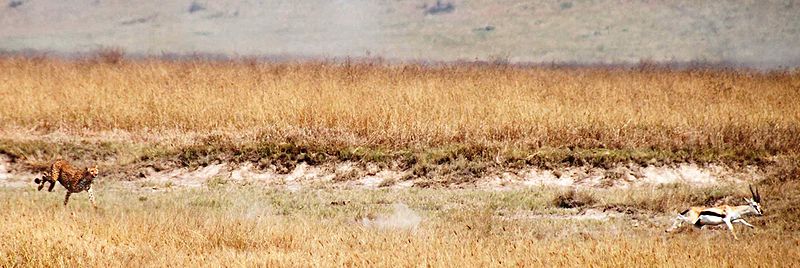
x=355 y=175
x=15 y=180
x=632 y=218
x=631 y=175
x=182 y=177
x=572 y=214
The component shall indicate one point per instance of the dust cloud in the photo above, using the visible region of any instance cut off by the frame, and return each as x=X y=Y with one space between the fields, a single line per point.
x=402 y=218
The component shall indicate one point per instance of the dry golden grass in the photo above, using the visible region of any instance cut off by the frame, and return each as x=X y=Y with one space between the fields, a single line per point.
x=233 y=226
x=129 y=111
x=409 y=106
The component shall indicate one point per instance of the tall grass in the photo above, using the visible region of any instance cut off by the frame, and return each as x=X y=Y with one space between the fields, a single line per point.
x=407 y=105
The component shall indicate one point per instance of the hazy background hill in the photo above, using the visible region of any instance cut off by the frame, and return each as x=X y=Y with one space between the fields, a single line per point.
x=756 y=33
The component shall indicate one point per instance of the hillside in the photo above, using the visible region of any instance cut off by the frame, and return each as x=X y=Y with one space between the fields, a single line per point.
x=754 y=33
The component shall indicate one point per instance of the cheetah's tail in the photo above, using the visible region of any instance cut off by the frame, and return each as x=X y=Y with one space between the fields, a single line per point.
x=45 y=177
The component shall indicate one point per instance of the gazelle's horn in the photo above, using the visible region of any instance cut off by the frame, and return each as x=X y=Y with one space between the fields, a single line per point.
x=758 y=196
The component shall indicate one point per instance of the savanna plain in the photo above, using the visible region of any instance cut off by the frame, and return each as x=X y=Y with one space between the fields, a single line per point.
x=368 y=163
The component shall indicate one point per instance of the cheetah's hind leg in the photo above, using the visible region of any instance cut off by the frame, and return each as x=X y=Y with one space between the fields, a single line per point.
x=40 y=181
x=52 y=184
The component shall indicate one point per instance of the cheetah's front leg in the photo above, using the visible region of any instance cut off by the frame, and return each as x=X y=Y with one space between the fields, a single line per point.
x=91 y=196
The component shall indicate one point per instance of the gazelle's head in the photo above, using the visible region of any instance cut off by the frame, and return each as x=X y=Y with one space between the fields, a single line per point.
x=755 y=202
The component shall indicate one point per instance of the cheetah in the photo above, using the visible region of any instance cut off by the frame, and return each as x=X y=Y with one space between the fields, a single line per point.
x=73 y=179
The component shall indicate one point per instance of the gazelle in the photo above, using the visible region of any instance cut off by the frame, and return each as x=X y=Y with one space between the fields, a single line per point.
x=702 y=216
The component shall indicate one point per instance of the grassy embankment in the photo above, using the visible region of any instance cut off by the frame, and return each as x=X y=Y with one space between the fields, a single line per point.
x=461 y=118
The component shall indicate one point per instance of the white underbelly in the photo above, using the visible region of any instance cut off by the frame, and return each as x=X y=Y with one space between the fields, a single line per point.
x=709 y=220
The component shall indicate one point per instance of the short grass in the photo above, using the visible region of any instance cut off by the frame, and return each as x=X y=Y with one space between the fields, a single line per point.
x=235 y=226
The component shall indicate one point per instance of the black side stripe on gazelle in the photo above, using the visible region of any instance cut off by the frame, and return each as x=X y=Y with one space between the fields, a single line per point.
x=712 y=213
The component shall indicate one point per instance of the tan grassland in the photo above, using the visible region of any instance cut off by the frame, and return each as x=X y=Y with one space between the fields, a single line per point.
x=444 y=123
x=244 y=226
x=375 y=111
x=396 y=106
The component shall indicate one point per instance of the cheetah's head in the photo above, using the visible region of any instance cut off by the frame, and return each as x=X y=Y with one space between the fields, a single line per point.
x=93 y=171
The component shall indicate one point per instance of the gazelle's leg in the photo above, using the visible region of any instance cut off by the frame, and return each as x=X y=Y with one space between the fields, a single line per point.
x=730 y=226
x=91 y=196
x=66 y=198
x=742 y=221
